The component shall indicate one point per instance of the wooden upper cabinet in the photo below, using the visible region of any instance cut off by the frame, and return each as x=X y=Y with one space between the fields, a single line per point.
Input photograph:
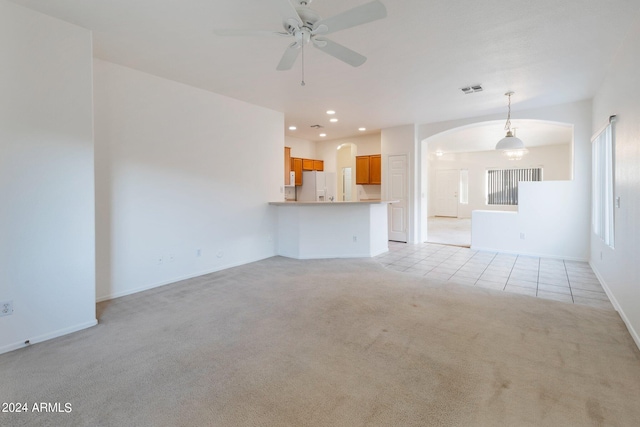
x=375 y=169
x=296 y=166
x=299 y=165
x=287 y=166
x=368 y=170
x=362 y=170
x=307 y=164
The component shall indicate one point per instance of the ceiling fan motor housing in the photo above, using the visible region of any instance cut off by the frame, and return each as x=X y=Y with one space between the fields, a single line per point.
x=308 y=16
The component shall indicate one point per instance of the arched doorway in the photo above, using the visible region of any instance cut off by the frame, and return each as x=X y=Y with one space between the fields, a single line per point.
x=456 y=164
x=345 y=168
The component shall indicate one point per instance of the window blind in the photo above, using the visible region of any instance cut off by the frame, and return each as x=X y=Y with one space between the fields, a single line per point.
x=502 y=184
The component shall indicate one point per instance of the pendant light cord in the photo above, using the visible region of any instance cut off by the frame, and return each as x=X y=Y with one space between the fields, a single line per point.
x=507 y=126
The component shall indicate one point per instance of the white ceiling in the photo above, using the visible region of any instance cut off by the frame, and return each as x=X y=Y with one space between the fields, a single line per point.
x=485 y=135
x=547 y=51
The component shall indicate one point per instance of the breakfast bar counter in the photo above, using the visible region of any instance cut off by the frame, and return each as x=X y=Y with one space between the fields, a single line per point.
x=308 y=230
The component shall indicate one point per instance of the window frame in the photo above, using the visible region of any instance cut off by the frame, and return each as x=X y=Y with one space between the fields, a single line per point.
x=603 y=184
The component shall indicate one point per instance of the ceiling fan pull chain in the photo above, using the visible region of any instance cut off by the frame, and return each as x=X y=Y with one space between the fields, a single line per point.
x=302 y=83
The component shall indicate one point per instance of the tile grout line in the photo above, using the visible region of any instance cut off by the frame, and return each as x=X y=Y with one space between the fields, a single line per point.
x=568 y=281
x=475 y=254
x=465 y=263
x=511 y=271
x=440 y=263
x=485 y=269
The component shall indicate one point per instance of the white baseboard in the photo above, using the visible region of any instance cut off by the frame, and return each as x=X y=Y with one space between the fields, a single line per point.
x=48 y=336
x=175 y=279
x=634 y=334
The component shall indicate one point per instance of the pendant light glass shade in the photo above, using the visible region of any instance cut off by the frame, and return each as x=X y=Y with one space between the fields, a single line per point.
x=510 y=142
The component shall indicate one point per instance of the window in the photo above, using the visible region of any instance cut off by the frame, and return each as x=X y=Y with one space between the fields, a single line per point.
x=602 y=200
x=502 y=184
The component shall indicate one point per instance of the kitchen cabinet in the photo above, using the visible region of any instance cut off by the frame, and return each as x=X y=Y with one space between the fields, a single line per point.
x=369 y=170
x=375 y=169
x=287 y=166
x=362 y=170
x=296 y=166
x=307 y=164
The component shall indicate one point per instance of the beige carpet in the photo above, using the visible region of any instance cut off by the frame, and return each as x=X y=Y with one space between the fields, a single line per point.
x=331 y=343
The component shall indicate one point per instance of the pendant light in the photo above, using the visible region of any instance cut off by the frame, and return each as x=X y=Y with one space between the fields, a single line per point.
x=511 y=146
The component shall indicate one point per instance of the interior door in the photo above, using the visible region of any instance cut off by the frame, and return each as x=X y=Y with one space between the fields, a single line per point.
x=398 y=190
x=447 y=184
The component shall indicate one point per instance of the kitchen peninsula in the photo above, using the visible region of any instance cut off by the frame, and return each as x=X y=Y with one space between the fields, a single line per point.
x=308 y=230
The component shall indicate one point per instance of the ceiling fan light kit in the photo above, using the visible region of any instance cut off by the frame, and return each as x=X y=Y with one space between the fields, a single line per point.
x=511 y=146
x=306 y=26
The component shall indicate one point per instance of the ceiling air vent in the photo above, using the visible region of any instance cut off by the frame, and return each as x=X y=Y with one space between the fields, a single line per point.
x=471 y=89
x=316 y=126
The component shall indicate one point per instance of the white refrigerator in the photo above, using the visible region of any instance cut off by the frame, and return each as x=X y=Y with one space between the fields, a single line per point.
x=317 y=186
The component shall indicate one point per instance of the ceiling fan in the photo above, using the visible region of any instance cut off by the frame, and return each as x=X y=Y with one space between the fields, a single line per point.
x=305 y=25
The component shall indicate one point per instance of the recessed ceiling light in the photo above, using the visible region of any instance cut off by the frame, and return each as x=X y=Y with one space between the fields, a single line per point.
x=323 y=135
x=333 y=120
x=330 y=112
x=439 y=153
x=292 y=128
x=362 y=129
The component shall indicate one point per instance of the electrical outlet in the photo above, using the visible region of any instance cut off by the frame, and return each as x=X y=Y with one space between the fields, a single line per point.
x=6 y=308
x=171 y=257
x=355 y=239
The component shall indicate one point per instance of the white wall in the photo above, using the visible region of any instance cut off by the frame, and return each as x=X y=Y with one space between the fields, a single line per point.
x=365 y=145
x=554 y=159
x=179 y=170
x=302 y=148
x=619 y=269
x=46 y=177
x=575 y=210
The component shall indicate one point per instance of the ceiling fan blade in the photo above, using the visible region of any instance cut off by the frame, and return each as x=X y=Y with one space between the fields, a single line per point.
x=234 y=32
x=288 y=11
x=338 y=51
x=289 y=57
x=359 y=15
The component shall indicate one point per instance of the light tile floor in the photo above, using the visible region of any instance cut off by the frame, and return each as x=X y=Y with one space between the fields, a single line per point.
x=549 y=278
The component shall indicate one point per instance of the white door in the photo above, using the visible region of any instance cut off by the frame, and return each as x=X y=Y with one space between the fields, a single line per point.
x=398 y=191
x=447 y=184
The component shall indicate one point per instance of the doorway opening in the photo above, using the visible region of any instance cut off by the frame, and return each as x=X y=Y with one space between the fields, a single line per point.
x=455 y=178
x=346 y=185
x=346 y=164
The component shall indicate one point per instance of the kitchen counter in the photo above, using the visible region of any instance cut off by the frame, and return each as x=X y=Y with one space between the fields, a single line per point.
x=312 y=203
x=311 y=230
